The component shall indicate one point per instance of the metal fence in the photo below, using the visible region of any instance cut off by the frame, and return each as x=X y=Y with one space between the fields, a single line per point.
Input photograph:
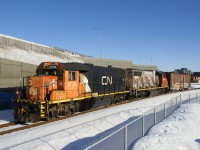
x=125 y=137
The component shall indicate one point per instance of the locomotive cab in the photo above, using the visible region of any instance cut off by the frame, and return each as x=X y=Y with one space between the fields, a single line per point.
x=53 y=82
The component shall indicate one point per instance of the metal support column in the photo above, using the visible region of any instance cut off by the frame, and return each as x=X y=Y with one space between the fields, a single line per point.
x=125 y=139
x=154 y=116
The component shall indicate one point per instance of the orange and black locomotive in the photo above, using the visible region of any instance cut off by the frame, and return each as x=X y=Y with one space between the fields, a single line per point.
x=65 y=88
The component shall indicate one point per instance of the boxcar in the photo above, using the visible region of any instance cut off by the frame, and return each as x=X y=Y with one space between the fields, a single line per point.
x=178 y=80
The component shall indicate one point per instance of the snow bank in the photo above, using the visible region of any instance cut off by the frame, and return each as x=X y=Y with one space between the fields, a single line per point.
x=195 y=85
x=31 y=57
x=179 y=131
x=6 y=116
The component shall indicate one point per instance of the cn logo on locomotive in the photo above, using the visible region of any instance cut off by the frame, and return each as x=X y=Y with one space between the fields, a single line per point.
x=105 y=80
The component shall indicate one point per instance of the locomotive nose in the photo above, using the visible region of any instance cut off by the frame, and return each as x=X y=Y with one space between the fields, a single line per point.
x=41 y=87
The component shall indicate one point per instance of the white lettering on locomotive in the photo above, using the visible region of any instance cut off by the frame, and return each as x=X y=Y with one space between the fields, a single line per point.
x=105 y=80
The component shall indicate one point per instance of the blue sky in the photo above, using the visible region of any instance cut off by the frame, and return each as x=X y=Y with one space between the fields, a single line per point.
x=165 y=33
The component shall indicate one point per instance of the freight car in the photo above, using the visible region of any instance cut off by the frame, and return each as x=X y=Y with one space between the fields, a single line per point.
x=64 y=88
x=144 y=83
x=179 y=80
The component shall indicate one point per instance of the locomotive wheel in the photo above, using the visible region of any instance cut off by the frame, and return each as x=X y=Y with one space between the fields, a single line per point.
x=66 y=110
x=24 y=117
x=53 y=114
x=114 y=101
x=119 y=98
x=23 y=114
x=34 y=117
x=62 y=110
x=76 y=107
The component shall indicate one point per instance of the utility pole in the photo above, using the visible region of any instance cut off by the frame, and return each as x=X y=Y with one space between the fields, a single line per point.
x=100 y=38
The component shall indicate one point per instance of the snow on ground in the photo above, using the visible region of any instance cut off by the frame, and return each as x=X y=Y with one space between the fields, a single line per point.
x=195 y=85
x=73 y=132
x=180 y=131
x=31 y=57
x=6 y=116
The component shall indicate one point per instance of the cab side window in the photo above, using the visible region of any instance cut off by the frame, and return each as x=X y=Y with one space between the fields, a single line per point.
x=72 y=76
x=60 y=74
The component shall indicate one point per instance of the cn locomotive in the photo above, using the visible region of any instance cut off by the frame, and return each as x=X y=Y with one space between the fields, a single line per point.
x=65 y=88
x=60 y=89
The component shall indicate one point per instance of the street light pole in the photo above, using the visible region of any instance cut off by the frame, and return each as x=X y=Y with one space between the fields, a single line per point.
x=100 y=46
x=100 y=36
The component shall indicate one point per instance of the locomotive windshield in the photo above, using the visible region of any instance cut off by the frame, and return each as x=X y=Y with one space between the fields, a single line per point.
x=50 y=72
x=47 y=72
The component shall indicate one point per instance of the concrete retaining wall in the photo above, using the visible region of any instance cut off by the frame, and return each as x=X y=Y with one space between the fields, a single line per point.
x=12 y=72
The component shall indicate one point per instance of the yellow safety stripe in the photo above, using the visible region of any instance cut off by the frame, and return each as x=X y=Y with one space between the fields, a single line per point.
x=152 y=88
x=112 y=93
x=82 y=98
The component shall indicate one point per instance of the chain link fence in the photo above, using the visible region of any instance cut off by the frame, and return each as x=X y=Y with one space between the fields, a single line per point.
x=126 y=136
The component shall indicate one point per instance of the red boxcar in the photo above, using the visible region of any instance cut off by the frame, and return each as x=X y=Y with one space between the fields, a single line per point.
x=178 y=80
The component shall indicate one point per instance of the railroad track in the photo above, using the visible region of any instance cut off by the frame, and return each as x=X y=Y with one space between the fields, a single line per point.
x=28 y=126
x=7 y=124
x=23 y=127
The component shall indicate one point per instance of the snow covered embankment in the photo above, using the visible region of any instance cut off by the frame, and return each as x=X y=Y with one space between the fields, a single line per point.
x=180 y=131
x=32 y=57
